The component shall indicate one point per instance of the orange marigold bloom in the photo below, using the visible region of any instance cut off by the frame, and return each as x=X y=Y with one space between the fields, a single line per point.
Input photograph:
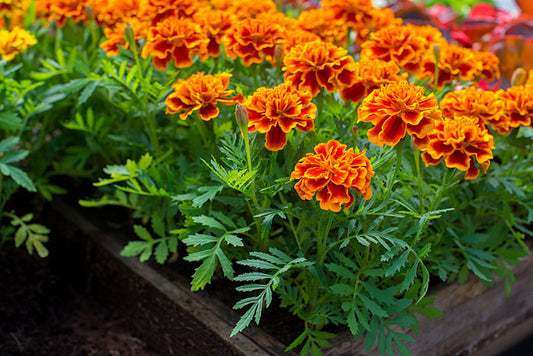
x=529 y=78
x=518 y=106
x=312 y=65
x=178 y=39
x=201 y=92
x=370 y=74
x=400 y=44
x=8 y=7
x=14 y=42
x=245 y=8
x=460 y=141
x=377 y=19
x=251 y=39
x=483 y=106
x=323 y=23
x=355 y=13
x=330 y=173
x=62 y=10
x=454 y=63
x=294 y=37
x=490 y=65
x=276 y=111
x=161 y=9
x=397 y=108
x=216 y=23
x=116 y=36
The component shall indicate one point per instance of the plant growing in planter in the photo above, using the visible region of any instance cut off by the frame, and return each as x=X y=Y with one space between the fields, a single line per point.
x=332 y=158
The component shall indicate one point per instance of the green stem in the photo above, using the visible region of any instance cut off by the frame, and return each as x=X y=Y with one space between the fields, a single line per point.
x=420 y=179
x=399 y=156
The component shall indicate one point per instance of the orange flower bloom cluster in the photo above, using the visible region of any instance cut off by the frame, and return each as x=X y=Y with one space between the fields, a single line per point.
x=490 y=64
x=276 y=111
x=397 y=108
x=330 y=173
x=454 y=63
x=245 y=8
x=400 y=44
x=377 y=19
x=216 y=23
x=14 y=42
x=312 y=65
x=110 y=13
x=161 y=9
x=201 y=92
x=355 y=13
x=251 y=39
x=62 y=10
x=518 y=106
x=482 y=106
x=322 y=22
x=460 y=141
x=8 y=7
x=174 y=38
x=116 y=36
x=370 y=74
x=295 y=37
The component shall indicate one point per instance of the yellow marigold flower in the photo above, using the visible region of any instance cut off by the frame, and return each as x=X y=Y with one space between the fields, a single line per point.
x=116 y=36
x=276 y=111
x=400 y=44
x=397 y=108
x=460 y=141
x=370 y=74
x=216 y=23
x=330 y=173
x=201 y=92
x=483 y=106
x=518 y=107
x=62 y=10
x=312 y=65
x=323 y=23
x=251 y=39
x=14 y=42
x=355 y=13
x=174 y=38
x=454 y=63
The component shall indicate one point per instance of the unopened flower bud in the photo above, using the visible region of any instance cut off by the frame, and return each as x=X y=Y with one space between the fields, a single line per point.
x=436 y=51
x=241 y=116
x=278 y=54
x=519 y=77
x=89 y=13
x=355 y=130
x=130 y=34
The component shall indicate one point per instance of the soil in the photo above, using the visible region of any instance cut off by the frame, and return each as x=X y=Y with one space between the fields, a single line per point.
x=42 y=312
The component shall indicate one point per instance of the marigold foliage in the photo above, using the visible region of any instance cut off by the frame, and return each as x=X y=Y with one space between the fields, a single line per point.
x=396 y=109
x=460 y=142
x=276 y=111
x=330 y=173
x=201 y=92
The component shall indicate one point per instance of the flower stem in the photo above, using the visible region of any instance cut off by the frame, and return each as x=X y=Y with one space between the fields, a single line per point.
x=420 y=179
x=392 y=178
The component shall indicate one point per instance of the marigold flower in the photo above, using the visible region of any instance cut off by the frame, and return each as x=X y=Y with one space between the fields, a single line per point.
x=8 y=7
x=116 y=36
x=483 y=106
x=370 y=74
x=377 y=19
x=323 y=23
x=161 y=9
x=518 y=107
x=245 y=8
x=178 y=39
x=251 y=39
x=530 y=77
x=14 y=42
x=460 y=141
x=276 y=111
x=330 y=173
x=294 y=37
x=62 y=10
x=109 y=13
x=397 y=108
x=400 y=44
x=201 y=92
x=312 y=65
x=216 y=23
x=490 y=65
x=454 y=63
x=355 y=13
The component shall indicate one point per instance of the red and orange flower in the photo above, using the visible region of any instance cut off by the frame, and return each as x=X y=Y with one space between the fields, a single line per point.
x=330 y=173
x=396 y=109
x=370 y=74
x=322 y=22
x=62 y=10
x=216 y=23
x=201 y=92
x=354 y=13
x=485 y=107
x=175 y=39
x=116 y=36
x=276 y=111
x=253 y=39
x=460 y=142
x=312 y=65
x=518 y=106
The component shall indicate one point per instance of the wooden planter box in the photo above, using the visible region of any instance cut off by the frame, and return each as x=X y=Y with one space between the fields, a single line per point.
x=171 y=319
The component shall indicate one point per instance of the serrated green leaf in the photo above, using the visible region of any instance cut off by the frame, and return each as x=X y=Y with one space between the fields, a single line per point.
x=87 y=92
x=342 y=289
x=9 y=121
x=8 y=143
x=225 y=263
x=372 y=334
x=397 y=264
x=209 y=222
x=244 y=321
x=142 y=232
x=39 y=229
x=20 y=236
x=158 y=225
x=161 y=252
x=260 y=264
x=372 y=306
x=203 y=274
x=252 y=276
x=19 y=176
x=147 y=253
x=430 y=312
x=233 y=240
x=200 y=240
x=134 y=248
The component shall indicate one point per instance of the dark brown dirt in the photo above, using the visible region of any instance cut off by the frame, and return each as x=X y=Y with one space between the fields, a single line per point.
x=43 y=313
